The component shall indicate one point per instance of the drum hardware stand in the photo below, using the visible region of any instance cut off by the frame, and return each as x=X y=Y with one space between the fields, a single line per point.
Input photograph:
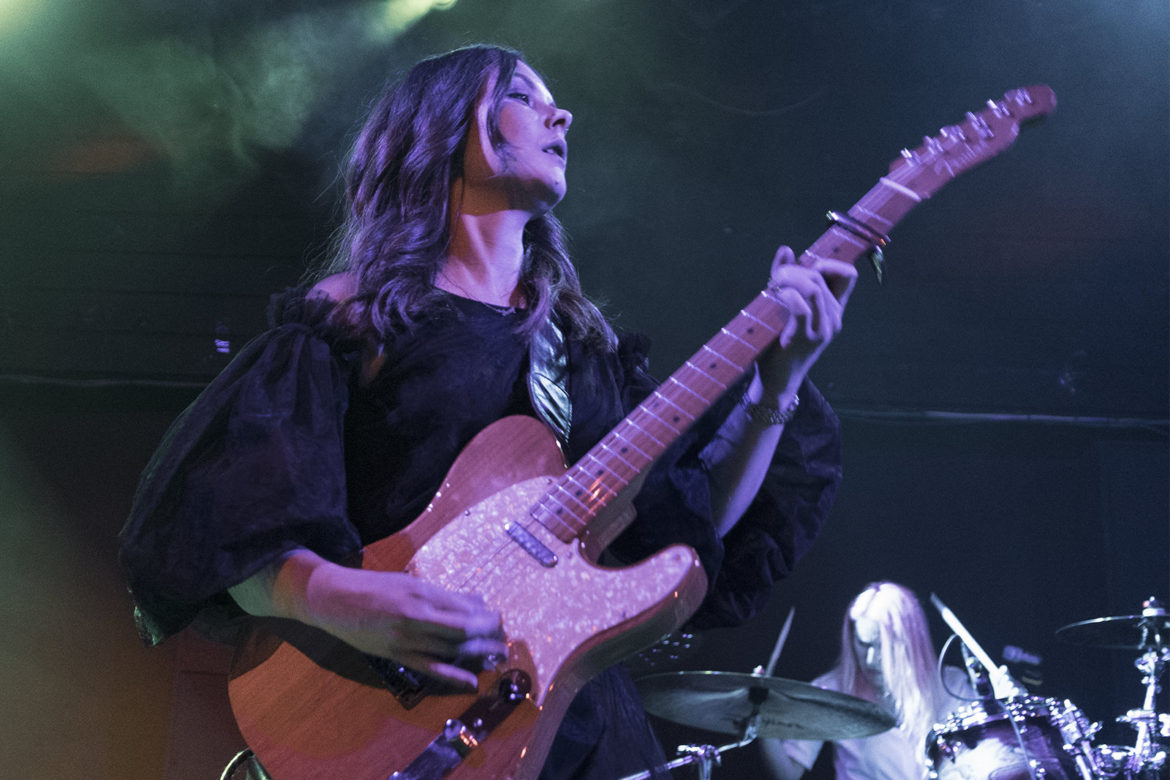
x=704 y=756
x=707 y=756
x=1149 y=633
x=1148 y=757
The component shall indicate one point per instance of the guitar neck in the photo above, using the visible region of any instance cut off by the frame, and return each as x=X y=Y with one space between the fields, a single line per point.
x=616 y=462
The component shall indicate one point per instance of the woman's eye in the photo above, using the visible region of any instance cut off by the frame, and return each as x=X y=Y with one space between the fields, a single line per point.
x=522 y=97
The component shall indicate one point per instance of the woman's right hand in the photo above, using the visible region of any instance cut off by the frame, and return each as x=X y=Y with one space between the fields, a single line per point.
x=442 y=633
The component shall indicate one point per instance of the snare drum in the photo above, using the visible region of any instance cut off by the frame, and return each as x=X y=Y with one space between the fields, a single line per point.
x=998 y=739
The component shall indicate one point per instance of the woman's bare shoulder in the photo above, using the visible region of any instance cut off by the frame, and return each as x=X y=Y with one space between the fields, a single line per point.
x=337 y=287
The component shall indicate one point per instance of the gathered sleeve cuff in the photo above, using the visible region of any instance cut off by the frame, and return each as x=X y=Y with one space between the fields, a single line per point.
x=777 y=529
x=253 y=469
x=785 y=518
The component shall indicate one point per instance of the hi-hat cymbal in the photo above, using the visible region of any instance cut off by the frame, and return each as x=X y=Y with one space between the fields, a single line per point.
x=723 y=702
x=1123 y=632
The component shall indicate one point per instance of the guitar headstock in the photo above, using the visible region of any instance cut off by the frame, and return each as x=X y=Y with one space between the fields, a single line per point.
x=980 y=137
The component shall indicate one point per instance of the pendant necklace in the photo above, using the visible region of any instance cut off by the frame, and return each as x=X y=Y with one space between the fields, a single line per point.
x=499 y=309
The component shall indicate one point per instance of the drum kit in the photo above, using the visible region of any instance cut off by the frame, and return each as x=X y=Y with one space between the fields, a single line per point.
x=1006 y=734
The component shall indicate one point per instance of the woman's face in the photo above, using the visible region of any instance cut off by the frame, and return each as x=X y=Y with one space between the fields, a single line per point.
x=528 y=171
x=867 y=649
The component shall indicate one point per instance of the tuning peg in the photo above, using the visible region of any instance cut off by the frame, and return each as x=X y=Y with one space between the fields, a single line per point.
x=981 y=126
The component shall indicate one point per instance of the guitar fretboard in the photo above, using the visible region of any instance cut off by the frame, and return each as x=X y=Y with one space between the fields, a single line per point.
x=630 y=448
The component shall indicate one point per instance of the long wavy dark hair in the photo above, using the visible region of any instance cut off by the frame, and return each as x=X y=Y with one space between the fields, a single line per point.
x=398 y=182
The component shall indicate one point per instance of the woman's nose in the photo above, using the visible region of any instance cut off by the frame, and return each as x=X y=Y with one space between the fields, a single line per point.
x=563 y=118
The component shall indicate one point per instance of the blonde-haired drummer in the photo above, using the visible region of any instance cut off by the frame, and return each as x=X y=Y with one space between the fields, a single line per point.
x=886 y=657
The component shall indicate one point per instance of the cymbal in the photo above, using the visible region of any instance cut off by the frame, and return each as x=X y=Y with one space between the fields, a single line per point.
x=1123 y=632
x=723 y=702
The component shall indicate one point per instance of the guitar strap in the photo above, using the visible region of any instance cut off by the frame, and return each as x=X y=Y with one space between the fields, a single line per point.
x=548 y=378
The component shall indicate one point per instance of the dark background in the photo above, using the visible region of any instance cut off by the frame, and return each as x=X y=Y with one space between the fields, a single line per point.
x=166 y=165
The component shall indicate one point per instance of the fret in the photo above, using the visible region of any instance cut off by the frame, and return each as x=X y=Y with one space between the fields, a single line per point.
x=665 y=424
x=773 y=332
x=629 y=443
x=726 y=362
x=661 y=445
x=686 y=389
x=700 y=383
x=668 y=395
x=562 y=522
x=901 y=189
x=710 y=367
x=765 y=311
x=866 y=213
x=607 y=469
x=769 y=313
x=845 y=235
x=570 y=494
x=726 y=332
x=554 y=520
x=615 y=455
x=597 y=494
x=735 y=349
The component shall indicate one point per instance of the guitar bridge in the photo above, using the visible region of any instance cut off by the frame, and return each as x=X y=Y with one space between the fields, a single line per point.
x=463 y=734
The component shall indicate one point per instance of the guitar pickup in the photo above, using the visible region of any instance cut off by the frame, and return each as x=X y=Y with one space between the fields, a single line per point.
x=408 y=686
x=531 y=545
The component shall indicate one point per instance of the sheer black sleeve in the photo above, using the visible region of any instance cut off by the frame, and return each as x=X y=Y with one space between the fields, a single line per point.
x=251 y=470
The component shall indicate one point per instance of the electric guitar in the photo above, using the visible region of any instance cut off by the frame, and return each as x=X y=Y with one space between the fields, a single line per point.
x=514 y=524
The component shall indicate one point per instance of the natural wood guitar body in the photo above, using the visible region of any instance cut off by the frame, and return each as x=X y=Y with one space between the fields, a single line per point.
x=312 y=708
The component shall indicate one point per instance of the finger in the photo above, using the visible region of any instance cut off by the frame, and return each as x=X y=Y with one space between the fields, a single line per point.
x=419 y=638
x=483 y=648
x=481 y=654
x=811 y=287
x=841 y=276
x=783 y=256
x=799 y=312
x=467 y=654
x=456 y=615
x=817 y=321
x=827 y=313
x=838 y=277
x=474 y=622
x=449 y=628
x=448 y=673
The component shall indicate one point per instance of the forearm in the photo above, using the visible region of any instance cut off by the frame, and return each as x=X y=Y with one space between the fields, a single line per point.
x=782 y=765
x=739 y=455
x=285 y=587
x=387 y=614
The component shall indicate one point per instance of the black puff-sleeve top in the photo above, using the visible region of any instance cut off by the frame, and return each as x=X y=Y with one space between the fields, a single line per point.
x=288 y=448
